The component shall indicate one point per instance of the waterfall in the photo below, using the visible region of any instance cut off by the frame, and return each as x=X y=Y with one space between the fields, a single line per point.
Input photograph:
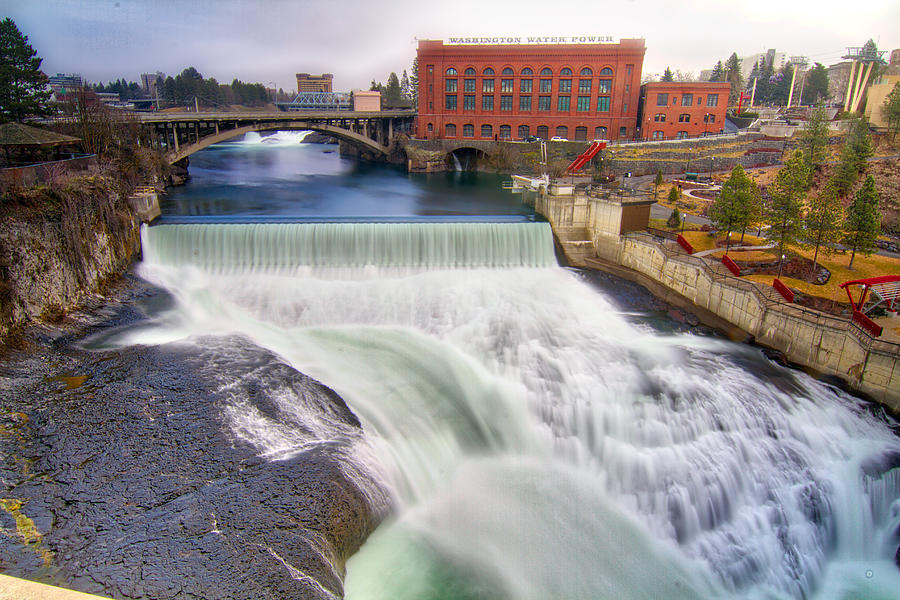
x=287 y=246
x=535 y=441
x=456 y=164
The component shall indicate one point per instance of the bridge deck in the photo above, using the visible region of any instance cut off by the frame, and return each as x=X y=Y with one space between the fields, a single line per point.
x=298 y=115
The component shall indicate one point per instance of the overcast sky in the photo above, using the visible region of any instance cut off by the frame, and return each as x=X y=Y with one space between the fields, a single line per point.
x=270 y=40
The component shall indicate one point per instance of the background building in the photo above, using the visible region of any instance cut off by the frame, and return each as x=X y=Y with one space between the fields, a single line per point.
x=511 y=91
x=314 y=83
x=680 y=109
x=366 y=101
x=776 y=59
x=65 y=82
x=148 y=82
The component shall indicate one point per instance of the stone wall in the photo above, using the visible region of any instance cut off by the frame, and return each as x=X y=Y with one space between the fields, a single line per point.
x=749 y=149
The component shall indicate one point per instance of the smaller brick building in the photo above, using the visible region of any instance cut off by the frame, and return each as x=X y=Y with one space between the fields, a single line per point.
x=679 y=109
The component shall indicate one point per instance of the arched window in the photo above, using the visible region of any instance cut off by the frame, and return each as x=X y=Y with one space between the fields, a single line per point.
x=546 y=71
x=523 y=132
x=658 y=135
x=681 y=135
x=505 y=132
x=507 y=71
x=562 y=131
x=470 y=71
x=450 y=130
x=566 y=71
x=451 y=71
x=600 y=133
x=580 y=134
x=488 y=71
x=527 y=71
x=468 y=130
x=606 y=72
x=487 y=131
x=543 y=132
x=587 y=72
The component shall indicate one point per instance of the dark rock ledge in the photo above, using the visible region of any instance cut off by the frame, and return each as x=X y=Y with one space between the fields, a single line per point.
x=122 y=475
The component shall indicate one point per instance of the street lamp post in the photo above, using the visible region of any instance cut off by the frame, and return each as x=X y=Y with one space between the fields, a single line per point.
x=780 y=266
x=727 y=243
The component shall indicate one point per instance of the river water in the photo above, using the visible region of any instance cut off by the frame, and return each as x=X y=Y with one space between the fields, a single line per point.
x=536 y=440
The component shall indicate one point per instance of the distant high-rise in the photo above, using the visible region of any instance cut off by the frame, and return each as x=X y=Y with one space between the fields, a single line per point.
x=314 y=83
x=776 y=59
x=148 y=82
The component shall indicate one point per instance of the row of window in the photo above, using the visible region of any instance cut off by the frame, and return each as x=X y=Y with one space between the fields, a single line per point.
x=563 y=103
x=659 y=135
x=684 y=118
x=526 y=85
x=542 y=131
x=585 y=72
x=687 y=100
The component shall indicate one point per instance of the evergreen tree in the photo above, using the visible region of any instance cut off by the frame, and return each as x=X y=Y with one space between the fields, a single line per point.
x=404 y=86
x=674 y=195
x=814 y=141
x=414 y=83
x=22 y=84
x=816 y=87
x=674 y=221
x=854 y=156
x=733 y=75
x=738 y=204
x=780 y=85
x=668 y=75
x=391 y=93
x=718 y=72
x=783 y=211
x=890 y=110
x=863 y=224
x=658 y=181
x=822 y=225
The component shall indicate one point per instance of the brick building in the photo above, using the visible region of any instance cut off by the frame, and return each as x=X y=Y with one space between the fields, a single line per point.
x=578 y=91
x=314 y=83
x=680 y=109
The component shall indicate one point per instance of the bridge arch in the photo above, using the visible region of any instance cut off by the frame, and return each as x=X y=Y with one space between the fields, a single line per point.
x=357 y=139
x=465 y=158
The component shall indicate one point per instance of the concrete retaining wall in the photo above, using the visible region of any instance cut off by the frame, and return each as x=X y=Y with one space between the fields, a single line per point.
x=822 y=342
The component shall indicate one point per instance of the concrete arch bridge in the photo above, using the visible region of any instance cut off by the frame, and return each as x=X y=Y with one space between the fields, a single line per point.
x=179 y=135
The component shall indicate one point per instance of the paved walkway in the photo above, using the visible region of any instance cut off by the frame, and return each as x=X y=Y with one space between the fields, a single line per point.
x=733 y=249
x=12 y=588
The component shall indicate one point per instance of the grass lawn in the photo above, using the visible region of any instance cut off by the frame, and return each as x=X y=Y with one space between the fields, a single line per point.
x=863 y=267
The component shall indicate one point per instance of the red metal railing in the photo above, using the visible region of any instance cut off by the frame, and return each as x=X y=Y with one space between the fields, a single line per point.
x=867 y=323
x=785 y=292
x=685 y=244
x=726 y=260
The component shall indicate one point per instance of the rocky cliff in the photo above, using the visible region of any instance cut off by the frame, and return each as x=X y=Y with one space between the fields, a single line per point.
x=58 y=244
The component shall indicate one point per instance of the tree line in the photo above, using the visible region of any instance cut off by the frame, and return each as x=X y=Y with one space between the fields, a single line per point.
x=399 y=92
x=789 y=216
x=182 y=89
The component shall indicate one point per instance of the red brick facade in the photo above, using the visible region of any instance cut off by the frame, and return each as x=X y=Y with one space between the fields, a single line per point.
x=678 y=109
x=574 y=91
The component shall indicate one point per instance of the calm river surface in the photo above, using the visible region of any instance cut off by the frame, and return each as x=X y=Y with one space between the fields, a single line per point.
x=536 y=439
